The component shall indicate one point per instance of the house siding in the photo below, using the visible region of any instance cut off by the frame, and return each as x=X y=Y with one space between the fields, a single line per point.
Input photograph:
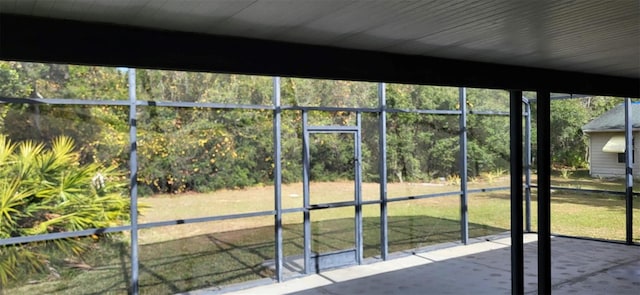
x=603 y=164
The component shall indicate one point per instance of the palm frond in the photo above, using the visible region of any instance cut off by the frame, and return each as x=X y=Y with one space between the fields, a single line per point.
x=12 y=199
x=27 y=157
x=47 y=190
x=6 y=150
x=62 y=148
x=16 y=255
x=52 y=222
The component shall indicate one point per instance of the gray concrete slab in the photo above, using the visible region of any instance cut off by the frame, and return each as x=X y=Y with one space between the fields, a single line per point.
x=578 y=267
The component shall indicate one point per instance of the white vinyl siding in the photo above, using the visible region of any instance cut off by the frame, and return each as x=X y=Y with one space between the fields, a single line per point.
x=603 y=164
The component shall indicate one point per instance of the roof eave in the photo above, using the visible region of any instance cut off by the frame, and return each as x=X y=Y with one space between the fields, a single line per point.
x=39 y=39
x=608 y=130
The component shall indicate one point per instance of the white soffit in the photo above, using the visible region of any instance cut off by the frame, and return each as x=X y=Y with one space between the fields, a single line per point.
x=600 y=37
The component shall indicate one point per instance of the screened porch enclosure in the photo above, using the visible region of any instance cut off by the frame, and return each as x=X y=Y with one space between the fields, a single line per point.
x=241 y=178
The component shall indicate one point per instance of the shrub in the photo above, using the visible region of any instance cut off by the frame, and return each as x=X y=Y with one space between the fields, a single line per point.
x=45 y=190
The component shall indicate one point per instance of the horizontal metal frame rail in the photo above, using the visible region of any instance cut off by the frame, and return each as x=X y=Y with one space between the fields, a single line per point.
x=595 y=191
x=332 y=129
x=206 y=219
x=419 y=197
x=65 y=101
x=490 y=189
x=620 y=242
x=330 y=109
x=87 y=232
x=62 y=235
x=210 y=105
x=151 y=103
x=444 y=194
x=568 y=96
x=427 y=112
x=125 y=102
x=214 y=105
x=489 y=113
x=331 y=205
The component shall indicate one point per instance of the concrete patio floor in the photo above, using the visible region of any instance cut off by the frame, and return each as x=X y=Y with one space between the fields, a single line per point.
x=578 y=267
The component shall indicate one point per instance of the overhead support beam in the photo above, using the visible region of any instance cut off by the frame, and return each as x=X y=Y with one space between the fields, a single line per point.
x=517 y=247
x=26 y=38
x=544 y=191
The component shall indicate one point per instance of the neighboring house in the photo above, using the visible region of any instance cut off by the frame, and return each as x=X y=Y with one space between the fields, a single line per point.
x=607 y=144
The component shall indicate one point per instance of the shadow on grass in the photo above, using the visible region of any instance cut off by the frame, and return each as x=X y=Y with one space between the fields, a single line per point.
x=224 y=258
x=595 y=200
x=237 y=256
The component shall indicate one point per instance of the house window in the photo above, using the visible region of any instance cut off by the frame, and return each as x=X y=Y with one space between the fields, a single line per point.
x=621 y=157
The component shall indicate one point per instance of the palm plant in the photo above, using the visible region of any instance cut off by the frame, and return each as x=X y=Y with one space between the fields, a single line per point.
x=46 y=190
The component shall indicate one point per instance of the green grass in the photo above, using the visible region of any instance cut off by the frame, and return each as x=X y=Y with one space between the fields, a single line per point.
x=186 y=257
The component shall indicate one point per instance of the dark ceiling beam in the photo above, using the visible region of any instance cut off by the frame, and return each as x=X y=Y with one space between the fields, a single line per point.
x=26 y=38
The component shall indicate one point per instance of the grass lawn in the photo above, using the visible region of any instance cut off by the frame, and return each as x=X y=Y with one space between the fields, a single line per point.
x=185 y=257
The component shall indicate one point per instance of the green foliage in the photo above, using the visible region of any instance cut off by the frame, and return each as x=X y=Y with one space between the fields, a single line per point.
x=423 y=146
x=315 y=92
x=193 y=149
x=215 y=149
x=45 y=190
x=569 y=145
x=11 y=83
x=87 y=126
x=332 y=157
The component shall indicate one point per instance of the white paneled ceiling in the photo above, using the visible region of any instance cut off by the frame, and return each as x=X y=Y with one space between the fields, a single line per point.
x=590 y=36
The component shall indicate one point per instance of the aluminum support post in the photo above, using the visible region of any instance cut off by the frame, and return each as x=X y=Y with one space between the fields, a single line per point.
x=277 y=176
x=544 y=192
x=464 y=213
x=306 y=193
x=358 y=189
x=133 y=182
x=382 y=143
x=629 y=153
x=527 y=163
x=517 y=260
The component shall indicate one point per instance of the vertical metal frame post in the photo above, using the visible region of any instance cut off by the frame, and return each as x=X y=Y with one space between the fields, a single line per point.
x=133 y=181
x=306 y=194
x=517 y=257
x=382 y=143
x=629 y=151
x=464 y=213
x=277 y=176
x=527 y=164
x=358 y=188
x=544 y=192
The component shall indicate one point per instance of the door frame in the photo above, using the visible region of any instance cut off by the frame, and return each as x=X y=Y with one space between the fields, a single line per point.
x=314 y=263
